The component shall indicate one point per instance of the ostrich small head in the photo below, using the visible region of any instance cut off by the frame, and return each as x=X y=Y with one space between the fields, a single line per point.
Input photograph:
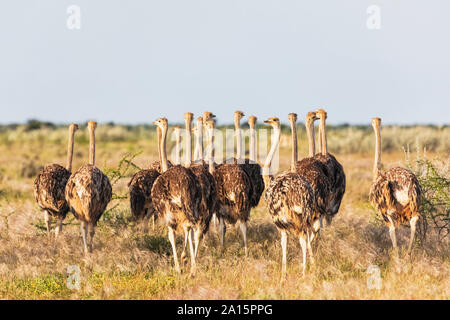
x=273 y=121
x=292 y=117
x=311 y=117
x=207 y=116
x=376 y=122
x=92 y=124
x=252 y=121
x=177 y=131
x=188 y=116
x=321 y=114
x=74 y=126
x=199 y=122
x=162 y=123
x=238 y=115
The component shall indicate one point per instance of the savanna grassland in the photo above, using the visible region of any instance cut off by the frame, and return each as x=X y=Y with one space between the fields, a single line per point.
x=128 y=264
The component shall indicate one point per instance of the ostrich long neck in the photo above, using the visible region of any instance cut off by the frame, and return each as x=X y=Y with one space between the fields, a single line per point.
x=323 y=132
x=188 y=160
x=377 y=160
x=158 y=136
x=210 y=157
x=92 y=145
x=177 y=148
x=294 y=156
x=269 y=158
x=320 y=140
x=162 y=150
x=70 y=149
x=237 y=126
x=252 y=151
x=199 y=142
x=311 y=138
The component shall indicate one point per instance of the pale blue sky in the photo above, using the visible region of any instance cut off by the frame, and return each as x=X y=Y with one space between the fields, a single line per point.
x=133 y=61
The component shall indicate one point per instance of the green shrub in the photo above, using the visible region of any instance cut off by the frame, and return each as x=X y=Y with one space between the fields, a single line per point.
x=435 y=184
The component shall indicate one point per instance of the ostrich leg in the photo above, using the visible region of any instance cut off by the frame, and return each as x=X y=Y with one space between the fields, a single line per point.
x=174 y=249
x=191 y=249
x=243 y=226
x=283 y=253
x=214 y=219
x=221 y=231
x=392 y=233
x=310 y=239
x=186 y=236
x=48 y=221
x=59 y=227
x=91 y=230
x=144 y=225
x=83 y=230
x=304 y=248
x=197 y=235
x=413 y=223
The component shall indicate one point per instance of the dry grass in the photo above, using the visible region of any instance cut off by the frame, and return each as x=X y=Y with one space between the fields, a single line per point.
x=127 y=264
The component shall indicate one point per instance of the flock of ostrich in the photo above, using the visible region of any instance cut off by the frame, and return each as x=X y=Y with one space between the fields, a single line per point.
x=188 y=196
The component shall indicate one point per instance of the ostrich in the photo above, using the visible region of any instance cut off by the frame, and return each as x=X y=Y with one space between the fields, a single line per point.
x=309 y=168
x=88 y=192
x=140 y=188
x=334 y=169
x=50 y=184
x=205 y=178
x=233 y=191
x=290 y=201
x=207 y=117
x=250 y=166
x=176 y=196
x=396 y=193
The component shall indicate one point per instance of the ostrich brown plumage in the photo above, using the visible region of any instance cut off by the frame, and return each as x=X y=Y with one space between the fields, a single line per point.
x=50 y=184
x=395 y=194
x=290 y=201
x=207 y=183
x=334 y=169
x=88 y=192
x=176 y=197
x=233 y=192
x=311 y=169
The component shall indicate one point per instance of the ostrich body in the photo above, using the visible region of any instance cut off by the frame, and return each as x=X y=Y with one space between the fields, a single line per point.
x=176 y=196
x=50 y=184
x=249 y=165
x=310 y=168
x=396 y=193
x=290 y=201
x=334 y=169
x=88 y=192
x=233 y=192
